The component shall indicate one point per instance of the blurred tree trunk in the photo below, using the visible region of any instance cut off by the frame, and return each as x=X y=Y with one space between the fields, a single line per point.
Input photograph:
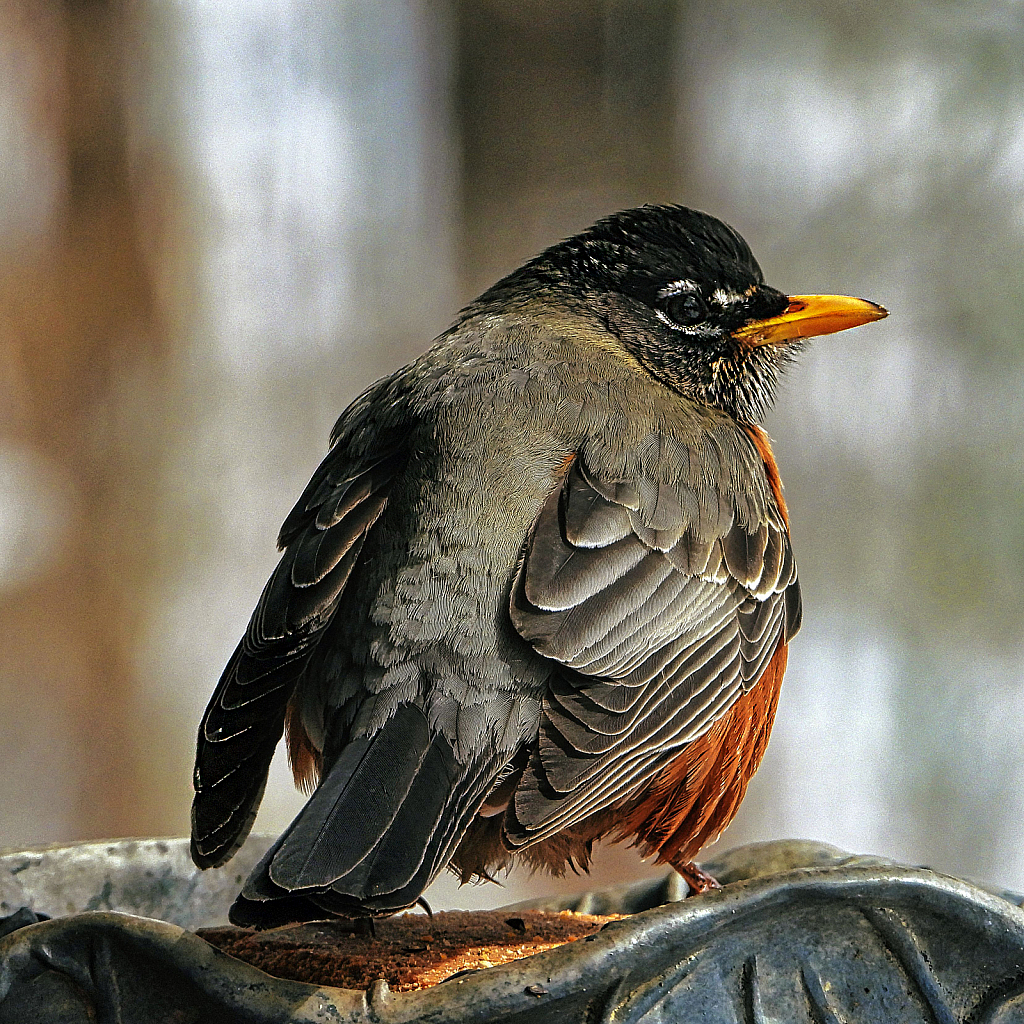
x=85 y=360
x=567 y=112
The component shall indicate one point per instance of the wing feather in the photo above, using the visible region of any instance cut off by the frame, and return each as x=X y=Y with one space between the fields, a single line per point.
x=323 y=538
x=659 y=598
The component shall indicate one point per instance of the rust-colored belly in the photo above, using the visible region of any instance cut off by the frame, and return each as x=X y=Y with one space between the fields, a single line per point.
x=692 y=799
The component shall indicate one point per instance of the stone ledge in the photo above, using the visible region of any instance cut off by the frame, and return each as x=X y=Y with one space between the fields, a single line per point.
x=800 y=932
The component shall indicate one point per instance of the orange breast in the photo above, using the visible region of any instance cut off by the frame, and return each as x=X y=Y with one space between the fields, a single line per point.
x=689 y=803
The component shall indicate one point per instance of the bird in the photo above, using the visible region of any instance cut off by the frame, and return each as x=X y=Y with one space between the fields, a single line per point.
x=539 y=592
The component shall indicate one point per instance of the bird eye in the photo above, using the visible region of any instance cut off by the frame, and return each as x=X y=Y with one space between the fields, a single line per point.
x=685 y=308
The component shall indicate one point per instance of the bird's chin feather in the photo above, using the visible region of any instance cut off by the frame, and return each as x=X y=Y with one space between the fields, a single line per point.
x=740 y=380
x=745 y=385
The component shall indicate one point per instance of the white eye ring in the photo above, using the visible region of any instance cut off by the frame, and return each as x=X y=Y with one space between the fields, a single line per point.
x=669 y=322
x=685 y=310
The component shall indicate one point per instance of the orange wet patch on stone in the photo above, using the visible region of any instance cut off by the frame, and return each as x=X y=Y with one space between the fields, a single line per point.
x=406 y=951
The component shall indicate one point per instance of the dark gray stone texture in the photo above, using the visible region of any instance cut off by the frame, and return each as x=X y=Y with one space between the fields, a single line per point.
x=801 y=933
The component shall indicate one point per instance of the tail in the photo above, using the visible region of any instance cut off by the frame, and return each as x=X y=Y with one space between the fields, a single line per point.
x=384 y=821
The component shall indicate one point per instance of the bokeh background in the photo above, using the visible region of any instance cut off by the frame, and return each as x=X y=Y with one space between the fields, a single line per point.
x=219 y=221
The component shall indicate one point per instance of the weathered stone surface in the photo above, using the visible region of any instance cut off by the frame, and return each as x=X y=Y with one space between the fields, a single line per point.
x=147 y=877
x=799 y=933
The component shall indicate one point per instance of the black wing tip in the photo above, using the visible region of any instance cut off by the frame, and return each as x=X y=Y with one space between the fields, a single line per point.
x=794 y=610
x=214 y=851
x=215 y=858
x=216 y=836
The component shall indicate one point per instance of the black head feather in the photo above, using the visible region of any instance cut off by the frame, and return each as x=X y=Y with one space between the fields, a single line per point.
x=672 y=284
x=637 y=252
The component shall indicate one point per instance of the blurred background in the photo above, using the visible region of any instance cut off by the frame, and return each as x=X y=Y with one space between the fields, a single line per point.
x=220 y=221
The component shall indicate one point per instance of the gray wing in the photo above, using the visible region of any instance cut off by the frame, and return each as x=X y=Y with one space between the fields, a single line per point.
x=322 y=539
x=660 y=602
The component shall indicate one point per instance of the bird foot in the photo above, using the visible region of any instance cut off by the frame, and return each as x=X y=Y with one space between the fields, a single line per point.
x=696 y=878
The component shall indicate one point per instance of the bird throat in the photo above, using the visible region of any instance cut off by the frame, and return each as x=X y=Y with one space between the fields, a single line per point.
x=739 y=380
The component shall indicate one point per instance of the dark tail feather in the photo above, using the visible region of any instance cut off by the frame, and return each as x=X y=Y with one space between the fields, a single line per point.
x=381 y=825
x=399 y=854
x=353 y=806
x=381 y=894
x=461 y=807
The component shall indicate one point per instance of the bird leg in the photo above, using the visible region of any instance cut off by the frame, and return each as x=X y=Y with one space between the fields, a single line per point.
x=696 y=878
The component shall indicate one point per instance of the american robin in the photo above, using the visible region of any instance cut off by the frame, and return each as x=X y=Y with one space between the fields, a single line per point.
x=539 y=592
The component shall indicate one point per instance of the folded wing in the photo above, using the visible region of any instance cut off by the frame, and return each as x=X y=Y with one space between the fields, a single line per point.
x=322 y=540
x=661 y=602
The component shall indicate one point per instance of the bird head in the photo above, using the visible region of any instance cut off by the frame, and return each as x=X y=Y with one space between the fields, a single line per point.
x=683 y=295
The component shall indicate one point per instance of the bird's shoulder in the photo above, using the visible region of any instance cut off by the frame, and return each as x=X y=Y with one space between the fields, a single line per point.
x=524 y=393
x=544 y=367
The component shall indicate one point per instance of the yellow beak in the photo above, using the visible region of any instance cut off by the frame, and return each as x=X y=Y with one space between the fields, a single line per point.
x=809 y=316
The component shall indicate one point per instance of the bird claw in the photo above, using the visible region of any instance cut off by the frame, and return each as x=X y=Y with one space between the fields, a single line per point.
x=697 y=879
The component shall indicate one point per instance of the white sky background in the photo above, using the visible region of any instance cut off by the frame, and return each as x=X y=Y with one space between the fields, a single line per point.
x=319 y=145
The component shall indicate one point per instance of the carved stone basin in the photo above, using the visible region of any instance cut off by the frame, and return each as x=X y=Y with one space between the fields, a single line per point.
x=800 y=932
